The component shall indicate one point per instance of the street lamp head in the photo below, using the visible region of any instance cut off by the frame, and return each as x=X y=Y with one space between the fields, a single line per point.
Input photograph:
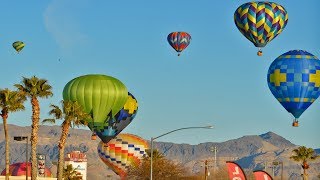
x=20 y=138
x=209 y=127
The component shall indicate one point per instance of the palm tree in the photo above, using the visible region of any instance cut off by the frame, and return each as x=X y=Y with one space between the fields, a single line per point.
x=303 y=154
x=73 y=115
x=10 y=101
x=156 y=154
x=69 y=173
x=34 y=88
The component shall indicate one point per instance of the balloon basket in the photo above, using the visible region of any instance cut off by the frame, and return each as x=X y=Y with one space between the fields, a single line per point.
x=93 y=137
x=295 y=124
x=259 y=53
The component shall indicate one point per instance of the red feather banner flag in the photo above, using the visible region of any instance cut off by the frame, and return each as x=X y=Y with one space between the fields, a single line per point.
x=235 y=171
x=262 y=175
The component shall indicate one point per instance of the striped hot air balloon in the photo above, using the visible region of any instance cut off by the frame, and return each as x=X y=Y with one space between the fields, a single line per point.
x=260 y=22
x=294 y=80
x=179 y=41
x=18 y=46
x=122 y=151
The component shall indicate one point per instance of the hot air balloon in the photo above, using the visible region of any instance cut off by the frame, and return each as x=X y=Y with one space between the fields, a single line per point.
x=102 y=97
x=19 y=169
x=179 y=40
x=122 y=151
x=260 y=22
x=18 y=46
x=294 y=80
x=122 y=119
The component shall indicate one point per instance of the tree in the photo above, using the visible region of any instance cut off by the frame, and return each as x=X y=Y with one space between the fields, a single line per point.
x=162 y=168
x=10 y=101
x=69 y=173
x=303 y=154
x=73 y=115
x=34 y=88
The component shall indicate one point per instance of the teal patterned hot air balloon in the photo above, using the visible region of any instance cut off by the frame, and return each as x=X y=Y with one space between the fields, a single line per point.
x=294 y=80
x=121 y=120
x=260 y=22
x=101 y=96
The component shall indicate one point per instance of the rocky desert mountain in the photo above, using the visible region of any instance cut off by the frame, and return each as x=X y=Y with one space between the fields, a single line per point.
x=251 y=152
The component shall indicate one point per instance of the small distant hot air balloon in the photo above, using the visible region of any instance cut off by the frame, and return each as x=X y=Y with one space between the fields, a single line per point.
x=294 y=80
x=179 y=40
x=102 y=97
x=122 y=151
x=18 y=46
x=260 y=22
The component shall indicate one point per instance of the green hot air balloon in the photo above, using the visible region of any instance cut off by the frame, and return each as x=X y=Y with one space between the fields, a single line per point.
x=101 y=96
x=18 y=46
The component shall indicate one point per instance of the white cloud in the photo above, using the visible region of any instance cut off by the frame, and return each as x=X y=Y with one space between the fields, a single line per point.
x=63 y=25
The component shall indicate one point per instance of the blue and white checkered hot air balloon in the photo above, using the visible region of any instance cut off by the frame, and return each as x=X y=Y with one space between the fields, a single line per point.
x=294 y=80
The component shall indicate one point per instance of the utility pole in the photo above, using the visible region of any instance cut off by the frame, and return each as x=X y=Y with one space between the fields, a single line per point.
x=265 y=165
x=214 y=150
x=281 y=170
x=215 y=156
x=206 y=169
x=273 y=170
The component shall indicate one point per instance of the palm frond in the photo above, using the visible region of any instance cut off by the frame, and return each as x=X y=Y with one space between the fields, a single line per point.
x=50 y=121
x=12 y=100
x=35 y=87
x=303 y=154
x=56 y=111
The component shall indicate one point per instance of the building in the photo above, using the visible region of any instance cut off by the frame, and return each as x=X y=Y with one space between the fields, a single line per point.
x=78 y=161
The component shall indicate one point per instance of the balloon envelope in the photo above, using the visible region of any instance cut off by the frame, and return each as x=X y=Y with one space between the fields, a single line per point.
x=121 y=120
x=260 y=22
x=179 y=40
x=101 y=96
x=19 y=169
x=122 y=151
x=294 y=80
x=18 y=46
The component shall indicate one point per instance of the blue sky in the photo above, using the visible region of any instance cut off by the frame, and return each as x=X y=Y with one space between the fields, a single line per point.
x=218 y=80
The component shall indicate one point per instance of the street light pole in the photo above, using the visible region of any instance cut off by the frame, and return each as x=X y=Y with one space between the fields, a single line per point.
x=154 y=138
x=151 y=157
x=21 y=138
x=27 y=158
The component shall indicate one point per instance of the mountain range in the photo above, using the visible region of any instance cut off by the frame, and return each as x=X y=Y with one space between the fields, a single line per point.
x=251 y=152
